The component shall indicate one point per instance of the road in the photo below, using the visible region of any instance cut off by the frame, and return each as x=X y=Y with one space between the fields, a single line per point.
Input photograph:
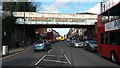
x=60 y=55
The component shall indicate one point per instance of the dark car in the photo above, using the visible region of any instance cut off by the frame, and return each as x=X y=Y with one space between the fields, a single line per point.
x=71 y=42
x=41 y=45
x=90 y=45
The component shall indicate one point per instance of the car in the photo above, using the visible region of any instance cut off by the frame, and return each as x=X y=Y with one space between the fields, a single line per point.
x=77 y=43
x=71 y=42
x=68 y=40
x=41 y=45
x=90 y=45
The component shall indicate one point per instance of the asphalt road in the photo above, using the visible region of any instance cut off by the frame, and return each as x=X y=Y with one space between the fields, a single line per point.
x=60 y=55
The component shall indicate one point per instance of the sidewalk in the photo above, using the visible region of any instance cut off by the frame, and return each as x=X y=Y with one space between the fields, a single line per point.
x=16 y=50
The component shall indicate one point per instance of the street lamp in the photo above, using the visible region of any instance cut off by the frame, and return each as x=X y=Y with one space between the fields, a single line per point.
x=24 y=27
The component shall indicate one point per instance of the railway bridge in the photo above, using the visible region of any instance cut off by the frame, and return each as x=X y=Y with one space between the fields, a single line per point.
x=28 y=22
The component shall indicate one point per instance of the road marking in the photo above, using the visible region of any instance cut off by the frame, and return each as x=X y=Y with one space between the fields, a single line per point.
x=61 y=50
x=15 y=54
x=40 y=60
x=54 y=55
x=55 y=61
x=67 y=59
x=49 y=51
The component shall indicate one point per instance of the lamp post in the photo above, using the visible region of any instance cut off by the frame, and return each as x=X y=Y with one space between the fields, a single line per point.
x=24 y=28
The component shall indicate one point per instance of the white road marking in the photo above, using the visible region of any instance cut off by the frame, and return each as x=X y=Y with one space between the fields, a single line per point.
x=61 y=50
x=55 y=61
x=40 y=60
x=67 y=59
x=15 y=54
x=49 y=51
x=54 y=55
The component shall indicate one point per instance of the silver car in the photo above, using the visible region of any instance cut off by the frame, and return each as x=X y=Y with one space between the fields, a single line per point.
x=77 y=43
x=91 y=45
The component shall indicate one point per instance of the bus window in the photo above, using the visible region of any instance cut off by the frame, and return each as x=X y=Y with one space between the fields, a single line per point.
x=114 y=14
x=102 y=38
x=115 y=38
x=104 y=19
x=106 y=38
x=112 y=18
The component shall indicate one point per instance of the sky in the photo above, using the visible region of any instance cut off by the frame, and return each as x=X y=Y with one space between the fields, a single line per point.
x=0 y=9
x=69 y=7
x=65 y=7
x=62 y=31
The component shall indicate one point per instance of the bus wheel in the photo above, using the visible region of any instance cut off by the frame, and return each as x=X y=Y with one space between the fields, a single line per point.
x=114 y=57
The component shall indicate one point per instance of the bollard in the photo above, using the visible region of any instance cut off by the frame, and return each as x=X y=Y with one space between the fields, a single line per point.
x=5 y=50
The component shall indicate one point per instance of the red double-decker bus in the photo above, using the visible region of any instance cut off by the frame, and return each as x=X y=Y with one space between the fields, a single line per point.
x=108 y=33
x=50 y=37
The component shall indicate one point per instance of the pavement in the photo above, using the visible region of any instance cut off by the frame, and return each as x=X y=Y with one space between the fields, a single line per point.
x=16 y=50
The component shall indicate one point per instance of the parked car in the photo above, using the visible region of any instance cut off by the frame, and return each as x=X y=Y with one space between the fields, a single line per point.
x=71 y=42
x=68 y=40
x=41 y=45
x=90 y=45
x=77 y=43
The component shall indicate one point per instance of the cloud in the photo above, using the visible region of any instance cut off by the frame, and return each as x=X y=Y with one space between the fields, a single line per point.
x=57 y=4
x=49 y=8
x=66 y=0
x=53 y=8
x=95 y=9
x=63 y=1
x=0 y=9
x=50 y=0
x=0 y=6
x=78 y=0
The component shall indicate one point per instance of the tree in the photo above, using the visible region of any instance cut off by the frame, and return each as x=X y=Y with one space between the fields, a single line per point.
x=19 y=6
x=8 y=23
x=16 y=6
